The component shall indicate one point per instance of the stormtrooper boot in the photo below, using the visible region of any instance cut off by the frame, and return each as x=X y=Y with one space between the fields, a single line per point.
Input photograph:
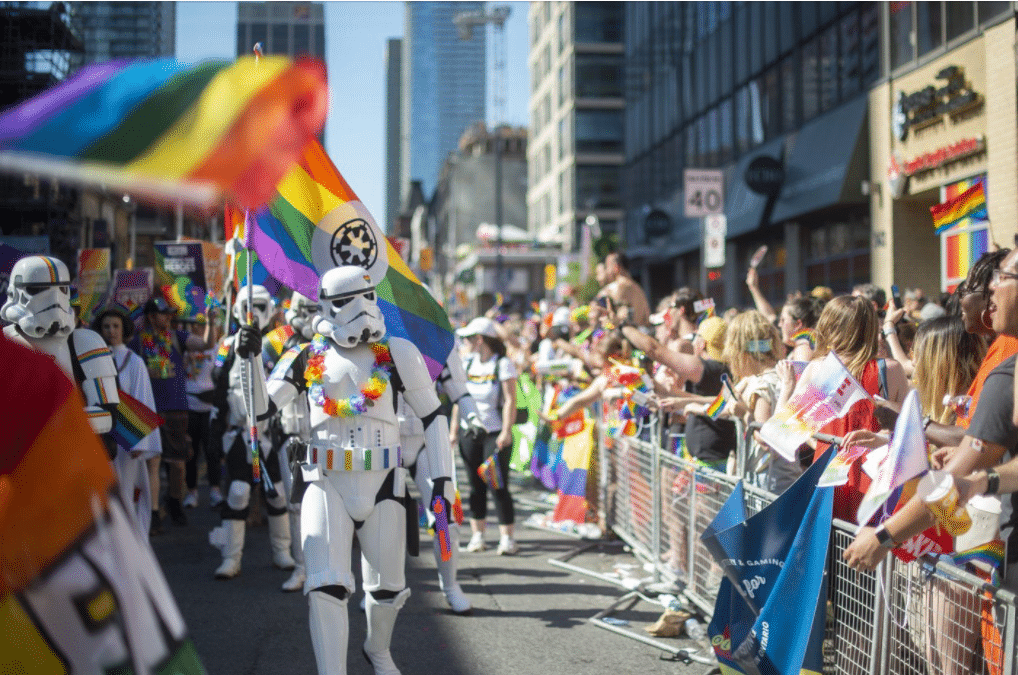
x=279 y=537
x=296 y=581
x=330 y=631
x=381 y=620
x=232 y=546
x=455 y=596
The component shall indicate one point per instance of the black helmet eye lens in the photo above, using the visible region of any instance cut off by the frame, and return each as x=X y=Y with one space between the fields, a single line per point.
x=370 y=295
x=340 y=303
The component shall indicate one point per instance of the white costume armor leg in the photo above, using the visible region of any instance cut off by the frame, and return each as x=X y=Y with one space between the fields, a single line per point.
x=279 y=537
x=229 y=536
x=330 y=632
x=296 y=580
x=381 y=616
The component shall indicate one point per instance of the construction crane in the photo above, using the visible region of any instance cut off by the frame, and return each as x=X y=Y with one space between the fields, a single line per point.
x=465 y=23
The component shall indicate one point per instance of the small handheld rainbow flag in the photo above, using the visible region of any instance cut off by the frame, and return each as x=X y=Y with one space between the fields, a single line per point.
x=133 y=421
x=717 y=406
x=991 y=554
x=806 y=334
x=491 y=473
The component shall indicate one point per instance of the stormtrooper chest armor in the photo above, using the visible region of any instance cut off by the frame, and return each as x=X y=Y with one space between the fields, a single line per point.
x=347 y=371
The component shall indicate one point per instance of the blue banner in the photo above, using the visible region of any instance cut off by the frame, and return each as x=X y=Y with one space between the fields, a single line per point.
x=775 y=572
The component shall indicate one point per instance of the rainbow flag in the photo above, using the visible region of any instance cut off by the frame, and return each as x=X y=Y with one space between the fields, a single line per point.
x=275 y=341
x=166 y=130
x=806 y=334
x=73 y=562
x=572 y=475
x=990 y=554
x=315 y=222
x=133 y=421
x=970 y=204
x=714 y=410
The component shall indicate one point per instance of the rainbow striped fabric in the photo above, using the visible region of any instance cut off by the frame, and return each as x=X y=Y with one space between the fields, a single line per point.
x=314 y=223
x=970 y=204
x=717 y=406
x=133 y=421
x=806 y=334
x=66 y=540
x=163 y=129
x=990 y=554
x=490 y=472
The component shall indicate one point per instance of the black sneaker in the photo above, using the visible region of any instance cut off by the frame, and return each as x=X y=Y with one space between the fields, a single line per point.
x=176 y=511
x=157 y=524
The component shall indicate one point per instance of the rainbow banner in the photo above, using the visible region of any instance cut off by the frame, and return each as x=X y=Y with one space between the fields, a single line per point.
x=93 y=279
x=314 y=223
x=990 y=555
x=180 y=275
x=970 y=204
x=133 y=421
x=169 y=131
x=81 y=591
x=577 y=450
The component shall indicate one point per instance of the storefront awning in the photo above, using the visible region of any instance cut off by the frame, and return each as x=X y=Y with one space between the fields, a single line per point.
x=827 y=162
x=744 y=207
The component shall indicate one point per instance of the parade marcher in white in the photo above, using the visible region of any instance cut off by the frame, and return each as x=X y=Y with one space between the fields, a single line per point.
x=295 y=424
x=232 y=377
x=115 y=325
x=454 y=382
x=356 y=483
x=39 y=309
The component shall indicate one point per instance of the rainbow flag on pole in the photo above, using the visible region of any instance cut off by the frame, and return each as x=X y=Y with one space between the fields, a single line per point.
x=165 y=130
x=133 y=421
x=314 y=223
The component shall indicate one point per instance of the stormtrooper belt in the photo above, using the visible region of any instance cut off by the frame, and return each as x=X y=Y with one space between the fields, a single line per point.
x=353 y=459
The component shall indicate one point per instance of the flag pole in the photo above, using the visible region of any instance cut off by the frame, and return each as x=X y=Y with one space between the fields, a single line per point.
x=249 y=394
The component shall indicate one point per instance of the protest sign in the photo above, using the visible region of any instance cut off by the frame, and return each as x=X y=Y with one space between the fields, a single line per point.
x=93 y=280
x=180 y=276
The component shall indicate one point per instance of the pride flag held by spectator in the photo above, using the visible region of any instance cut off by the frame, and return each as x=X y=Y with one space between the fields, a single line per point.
x=316 y=222
x=572 y=475
x=830 y=392
x=167 y=131
x=906 y=458
x=81 y=591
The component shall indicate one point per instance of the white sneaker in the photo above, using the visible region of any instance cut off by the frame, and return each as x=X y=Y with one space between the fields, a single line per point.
x=191 y=500
x=476 y=544
x=508 y=546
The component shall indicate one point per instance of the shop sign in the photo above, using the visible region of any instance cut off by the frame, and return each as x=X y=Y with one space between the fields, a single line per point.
x=765 y=175
x=657 y=223
x=928 y=161
x=928 y=105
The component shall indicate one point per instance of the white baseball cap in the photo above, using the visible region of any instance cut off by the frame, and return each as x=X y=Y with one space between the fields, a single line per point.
x=480 y=326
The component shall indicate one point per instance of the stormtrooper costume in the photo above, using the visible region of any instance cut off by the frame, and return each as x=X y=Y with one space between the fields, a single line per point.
x=231 y=376
x=356 y=483
x=39 y=309
x=295 y=424
x=453 y=381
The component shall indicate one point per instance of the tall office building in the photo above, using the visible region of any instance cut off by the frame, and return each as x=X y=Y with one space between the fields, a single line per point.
x=120 y=30
x=393 y=115
x=576 y=118
x=290 y=28
x=444 y=80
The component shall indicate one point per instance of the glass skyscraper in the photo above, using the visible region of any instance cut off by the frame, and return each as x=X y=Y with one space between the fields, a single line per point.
x=443 y=87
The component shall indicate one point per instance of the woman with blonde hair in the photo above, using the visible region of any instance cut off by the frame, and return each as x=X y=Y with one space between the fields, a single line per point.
x=946 y=359
x=752 y=350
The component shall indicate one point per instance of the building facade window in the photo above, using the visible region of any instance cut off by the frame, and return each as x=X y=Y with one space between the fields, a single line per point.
x=597 y=187
x=599 y=131
x=598 y=22
x=598 y=76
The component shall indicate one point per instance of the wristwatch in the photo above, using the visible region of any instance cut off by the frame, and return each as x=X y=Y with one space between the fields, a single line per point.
x=992 y=483
x=884 y=537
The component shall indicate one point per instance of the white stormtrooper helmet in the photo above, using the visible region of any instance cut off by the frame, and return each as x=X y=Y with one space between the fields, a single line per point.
x=301 y=315
x=39 y=297
x=349 y=314
x=263 y=307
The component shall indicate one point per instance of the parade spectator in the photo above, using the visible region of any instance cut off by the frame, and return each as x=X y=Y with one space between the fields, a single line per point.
x=491 y=381
x=991 y=434
x=797 y=323
x=162 y=349
x=199 y=366
x=623 y=291
x=115 y=325
x=763 y=305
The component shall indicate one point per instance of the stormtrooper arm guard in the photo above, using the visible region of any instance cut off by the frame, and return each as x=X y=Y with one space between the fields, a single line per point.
x=454 y=381
x=419 y=393
x=95 y=369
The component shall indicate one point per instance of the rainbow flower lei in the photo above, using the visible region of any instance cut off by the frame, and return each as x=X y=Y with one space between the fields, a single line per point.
x=354 y=405
x=156 y=350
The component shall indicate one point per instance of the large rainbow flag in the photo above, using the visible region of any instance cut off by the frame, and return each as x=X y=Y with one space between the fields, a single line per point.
x=314 y=223
x=970 y=204
x=572 y=475
x=81 y=590
x=166 y=130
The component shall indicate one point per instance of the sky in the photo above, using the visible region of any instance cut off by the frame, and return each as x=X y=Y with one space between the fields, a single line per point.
x=356 y=36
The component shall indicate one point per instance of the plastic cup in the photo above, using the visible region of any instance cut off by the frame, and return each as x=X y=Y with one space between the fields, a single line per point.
x=940 y=495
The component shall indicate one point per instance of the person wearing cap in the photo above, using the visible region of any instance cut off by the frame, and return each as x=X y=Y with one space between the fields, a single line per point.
x=162 y=348
x=491 y=382
x=115 y=325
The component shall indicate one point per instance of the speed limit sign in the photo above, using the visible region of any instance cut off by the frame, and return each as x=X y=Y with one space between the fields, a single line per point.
x=704 y=192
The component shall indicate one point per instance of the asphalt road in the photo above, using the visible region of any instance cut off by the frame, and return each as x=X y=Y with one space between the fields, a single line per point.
x=530 y=617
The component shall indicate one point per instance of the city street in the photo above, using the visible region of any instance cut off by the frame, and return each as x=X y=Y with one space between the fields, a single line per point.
x=529 y=616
